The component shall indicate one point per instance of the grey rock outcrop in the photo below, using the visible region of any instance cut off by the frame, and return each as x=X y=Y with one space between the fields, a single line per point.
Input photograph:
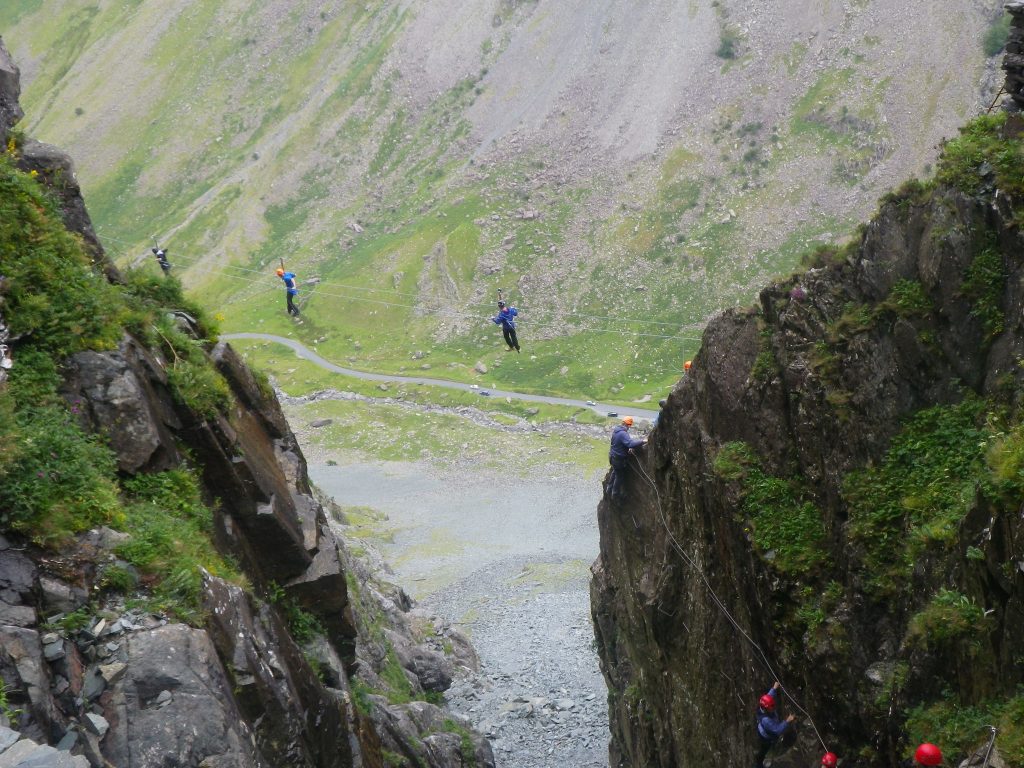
x=1013 y=62
x=138 y=691
x=198 y=723
x=10 y=91
x=814 y=405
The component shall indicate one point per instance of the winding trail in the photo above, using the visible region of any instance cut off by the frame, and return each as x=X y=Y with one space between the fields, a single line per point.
x=307 y=354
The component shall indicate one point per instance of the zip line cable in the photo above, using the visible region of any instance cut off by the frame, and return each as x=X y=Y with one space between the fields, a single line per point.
x=763 y=657
x=445 y=313
x=395 y=292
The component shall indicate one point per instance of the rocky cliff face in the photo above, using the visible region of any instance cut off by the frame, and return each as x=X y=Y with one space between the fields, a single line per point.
x=275 y=668
x=841 y=465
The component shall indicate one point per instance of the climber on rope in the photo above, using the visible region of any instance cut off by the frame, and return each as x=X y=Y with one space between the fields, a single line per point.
x=291 y=290
x=506 y=319
x=925 y=755
x=829 y=760
x=618 y=457
x=772 y=731
x=161 y=259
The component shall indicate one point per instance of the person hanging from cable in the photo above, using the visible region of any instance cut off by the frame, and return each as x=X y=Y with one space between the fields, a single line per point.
x=829 y=760
x=291 y=289
x=618 y=457
x=506 y=319
x=772 y=731
x=161 y=259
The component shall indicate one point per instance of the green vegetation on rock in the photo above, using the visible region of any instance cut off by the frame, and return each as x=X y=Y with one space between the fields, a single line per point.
x=785 y=522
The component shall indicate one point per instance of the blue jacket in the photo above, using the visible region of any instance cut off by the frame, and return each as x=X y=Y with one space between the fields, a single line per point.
x=770 y=726
x=504 y=318
x=289 y=282
x=621 y=444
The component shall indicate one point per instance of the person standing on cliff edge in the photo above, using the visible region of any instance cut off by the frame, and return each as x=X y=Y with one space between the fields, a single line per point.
x=618 y=456
x=771 y=729
x=291 y=289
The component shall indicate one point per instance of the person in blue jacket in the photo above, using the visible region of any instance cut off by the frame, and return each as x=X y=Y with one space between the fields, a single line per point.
x=772 y=730
x=506 y=319
x=618 y=457
x=291 y=290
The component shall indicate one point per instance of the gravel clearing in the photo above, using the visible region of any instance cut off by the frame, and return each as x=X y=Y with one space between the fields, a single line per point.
x=506 y=558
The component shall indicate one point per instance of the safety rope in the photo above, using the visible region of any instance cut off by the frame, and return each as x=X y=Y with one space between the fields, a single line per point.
x=760 y=652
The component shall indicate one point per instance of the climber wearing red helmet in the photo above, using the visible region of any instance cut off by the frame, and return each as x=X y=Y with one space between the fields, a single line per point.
x=829 y=760
x=771 y=729
x=928 y=754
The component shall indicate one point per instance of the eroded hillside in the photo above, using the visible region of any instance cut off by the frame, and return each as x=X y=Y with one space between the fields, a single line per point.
x=624 y=171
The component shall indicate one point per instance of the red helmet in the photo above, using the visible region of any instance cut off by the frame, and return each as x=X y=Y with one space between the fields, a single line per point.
x=829 y=760
x=928 y=754
x=767 y=703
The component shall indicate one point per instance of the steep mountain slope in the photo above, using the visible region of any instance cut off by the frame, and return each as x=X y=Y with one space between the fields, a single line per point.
x=171 y=590
x=623 y=170
x=842 y=469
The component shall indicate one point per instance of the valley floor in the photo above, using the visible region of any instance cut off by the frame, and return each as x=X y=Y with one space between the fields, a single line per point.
x=506 y=558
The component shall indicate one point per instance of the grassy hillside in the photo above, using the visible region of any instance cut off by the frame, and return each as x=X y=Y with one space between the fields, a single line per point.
x=620 y=173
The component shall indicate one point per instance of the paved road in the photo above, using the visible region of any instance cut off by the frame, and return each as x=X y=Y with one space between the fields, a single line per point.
x=307 y=354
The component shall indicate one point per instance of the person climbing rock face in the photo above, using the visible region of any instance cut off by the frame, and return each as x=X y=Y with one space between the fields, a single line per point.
x=772 y=731
x=829 y=760
x=618 y=457
x=505 y=318
x=291 y=289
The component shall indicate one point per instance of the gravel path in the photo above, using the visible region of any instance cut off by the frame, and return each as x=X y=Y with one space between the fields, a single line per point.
x=507 y=559
x=307 y=354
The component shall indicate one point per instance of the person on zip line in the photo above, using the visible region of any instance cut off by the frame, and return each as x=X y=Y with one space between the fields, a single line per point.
x=506 y=319
x=291 y=290
x=161 y=259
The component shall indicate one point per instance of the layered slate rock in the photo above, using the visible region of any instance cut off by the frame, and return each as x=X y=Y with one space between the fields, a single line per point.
x=812 y=405
x=10 y=91
x=173 y=705
x=1013 y=62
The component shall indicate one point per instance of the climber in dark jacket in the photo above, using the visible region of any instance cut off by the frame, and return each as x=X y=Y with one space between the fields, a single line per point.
x=618 y=457
x=506 y=319
x=772 y=730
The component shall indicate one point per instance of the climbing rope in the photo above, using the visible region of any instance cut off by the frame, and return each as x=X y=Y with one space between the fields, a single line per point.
x=760 y=652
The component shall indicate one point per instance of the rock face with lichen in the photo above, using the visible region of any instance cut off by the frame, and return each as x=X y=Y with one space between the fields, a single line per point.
x=278 y=668
x=842 y=470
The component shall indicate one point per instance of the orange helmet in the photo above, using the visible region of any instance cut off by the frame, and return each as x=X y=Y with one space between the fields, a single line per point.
x=280 y=273
x=628 y=421
x=687 y=364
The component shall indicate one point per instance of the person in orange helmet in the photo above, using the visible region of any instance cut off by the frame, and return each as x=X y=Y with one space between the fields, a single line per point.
x=291 y=290
x=618 y=456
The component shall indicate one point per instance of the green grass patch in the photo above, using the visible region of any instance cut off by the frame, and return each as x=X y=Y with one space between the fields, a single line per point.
x=171 y=540
x=964 y=159
x=996 y=35
x=916 y=497
x=950 y=617
x=960 y=729
x=785 y=523
x=984 y=284
x=303 y=626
